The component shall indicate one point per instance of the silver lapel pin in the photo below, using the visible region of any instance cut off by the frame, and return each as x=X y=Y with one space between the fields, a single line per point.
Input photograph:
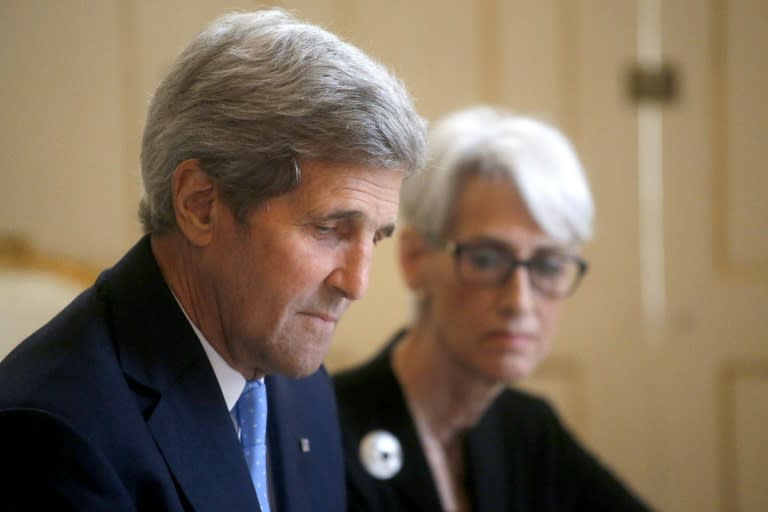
x=381 y=454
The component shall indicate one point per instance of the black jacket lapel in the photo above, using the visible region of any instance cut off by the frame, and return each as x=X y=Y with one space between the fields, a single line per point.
x=179 y=394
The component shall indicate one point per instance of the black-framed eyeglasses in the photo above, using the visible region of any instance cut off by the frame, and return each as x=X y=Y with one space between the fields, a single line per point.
x=553 y=274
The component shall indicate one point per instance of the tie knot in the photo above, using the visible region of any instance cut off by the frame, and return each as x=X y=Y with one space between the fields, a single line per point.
x=251 y=385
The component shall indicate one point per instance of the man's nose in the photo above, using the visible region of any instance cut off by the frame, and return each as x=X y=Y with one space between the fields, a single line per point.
x=350 y=277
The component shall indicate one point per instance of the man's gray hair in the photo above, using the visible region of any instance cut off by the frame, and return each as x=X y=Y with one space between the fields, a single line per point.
x=254 y=94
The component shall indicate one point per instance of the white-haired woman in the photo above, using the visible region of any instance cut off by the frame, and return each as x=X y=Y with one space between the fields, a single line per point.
x=490 y=250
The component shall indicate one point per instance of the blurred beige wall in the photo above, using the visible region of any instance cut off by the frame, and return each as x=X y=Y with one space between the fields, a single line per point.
x=78 y=76
x=661 y=362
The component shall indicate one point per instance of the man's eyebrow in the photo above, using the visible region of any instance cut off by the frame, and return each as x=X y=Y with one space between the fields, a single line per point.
x=337 y=215
x=385 y=231
x=340 y=215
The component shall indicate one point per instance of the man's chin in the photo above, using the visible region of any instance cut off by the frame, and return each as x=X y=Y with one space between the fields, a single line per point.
x=304 y=365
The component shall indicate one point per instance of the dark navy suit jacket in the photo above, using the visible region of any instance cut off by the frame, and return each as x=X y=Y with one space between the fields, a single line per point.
x=113 y=405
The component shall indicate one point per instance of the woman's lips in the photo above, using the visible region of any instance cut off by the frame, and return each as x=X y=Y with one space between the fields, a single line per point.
x=512 y=339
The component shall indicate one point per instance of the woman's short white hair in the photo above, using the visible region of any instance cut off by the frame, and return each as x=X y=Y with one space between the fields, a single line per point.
x=486 y=141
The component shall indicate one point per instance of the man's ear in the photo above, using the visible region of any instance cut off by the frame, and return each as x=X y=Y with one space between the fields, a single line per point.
x=193 y=197
x=413 y=251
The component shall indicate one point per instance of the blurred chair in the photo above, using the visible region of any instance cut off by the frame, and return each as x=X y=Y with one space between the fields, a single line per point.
x=34 y=286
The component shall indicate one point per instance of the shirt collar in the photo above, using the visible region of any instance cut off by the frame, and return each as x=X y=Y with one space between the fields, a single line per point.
x=231 y=382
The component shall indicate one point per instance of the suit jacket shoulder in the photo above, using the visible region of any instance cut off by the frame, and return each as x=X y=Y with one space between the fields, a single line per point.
x=120 y=375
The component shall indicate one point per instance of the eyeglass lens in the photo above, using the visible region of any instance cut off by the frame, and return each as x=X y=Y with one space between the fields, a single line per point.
x=551 y=273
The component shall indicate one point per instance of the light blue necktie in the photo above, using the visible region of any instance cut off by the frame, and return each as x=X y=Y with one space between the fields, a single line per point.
x=252 y=418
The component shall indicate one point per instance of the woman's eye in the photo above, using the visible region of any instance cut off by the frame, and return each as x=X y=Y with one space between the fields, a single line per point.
x=485 y=258
x=548 y=265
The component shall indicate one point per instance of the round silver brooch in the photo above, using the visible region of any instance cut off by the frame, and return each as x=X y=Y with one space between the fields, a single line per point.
x=381 y=454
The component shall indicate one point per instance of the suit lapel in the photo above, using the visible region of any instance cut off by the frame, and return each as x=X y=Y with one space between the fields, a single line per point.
x=284 y=431
x=187 y=416
x=414 y=481
x=486 y=464
x=192 y=428
x=305 y=444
